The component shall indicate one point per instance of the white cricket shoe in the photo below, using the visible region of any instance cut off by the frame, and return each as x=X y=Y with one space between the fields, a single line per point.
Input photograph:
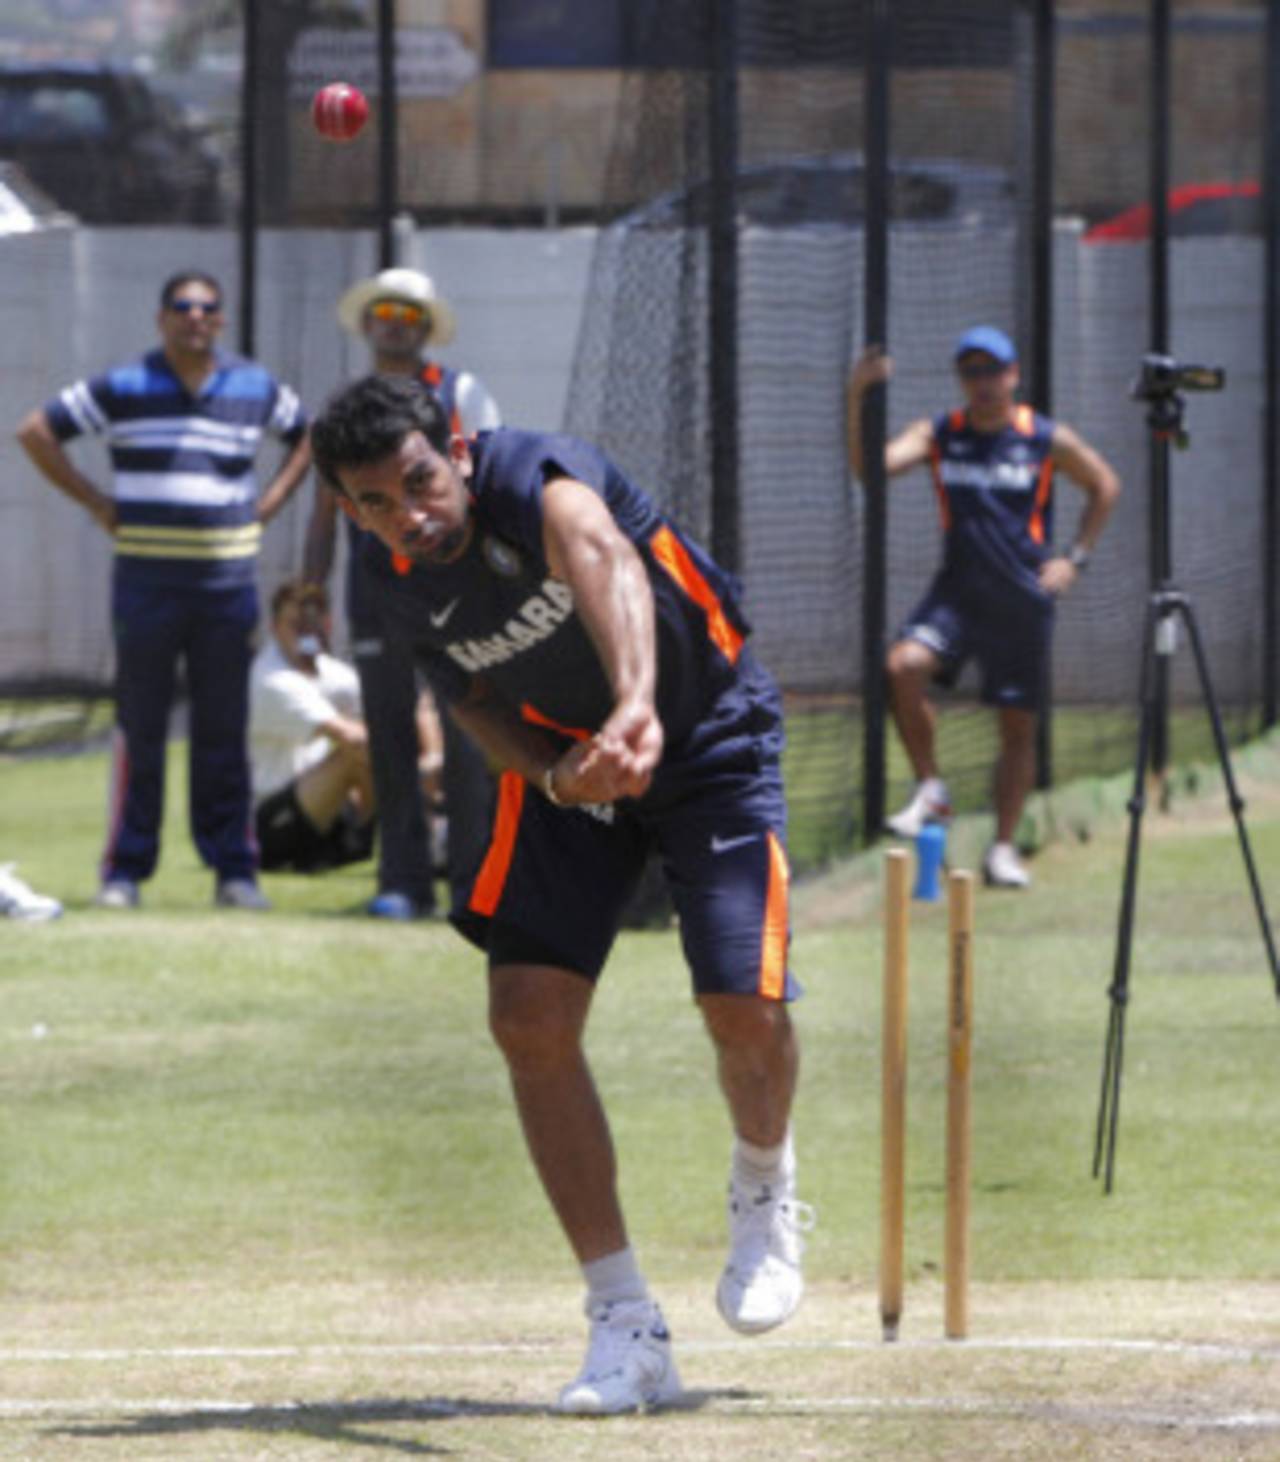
x=762 y=1285
x=628 y=1365
x=20 y=901
x=931 y=802
x=1002 y=868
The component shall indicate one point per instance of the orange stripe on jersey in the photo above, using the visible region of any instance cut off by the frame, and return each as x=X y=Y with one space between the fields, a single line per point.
x=533 y=715
x=956 y=421
x=940 y=487
x=433 y=376
x=1044 y=486
x=672 y=555
x=492 y=878
x=773 y=957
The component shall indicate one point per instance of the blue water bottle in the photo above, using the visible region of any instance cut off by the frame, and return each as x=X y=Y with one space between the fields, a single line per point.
x=931 y=850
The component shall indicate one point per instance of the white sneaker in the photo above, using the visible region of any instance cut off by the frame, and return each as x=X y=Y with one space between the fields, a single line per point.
x=762 y=1285
x=19 y=901
x=931 y=802
x=628 y=1365
x=1002 y=868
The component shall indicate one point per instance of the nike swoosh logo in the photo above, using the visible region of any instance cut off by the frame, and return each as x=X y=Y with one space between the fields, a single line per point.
x=440 y=617
x=722 y=845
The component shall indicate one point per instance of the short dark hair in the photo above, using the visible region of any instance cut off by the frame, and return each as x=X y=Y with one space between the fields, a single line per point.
x=302 y=593
x=367 y=420
x=174 y=283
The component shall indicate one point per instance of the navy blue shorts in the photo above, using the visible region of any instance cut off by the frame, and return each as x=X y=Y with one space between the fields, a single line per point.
x=556 y=880
x=1008 y=636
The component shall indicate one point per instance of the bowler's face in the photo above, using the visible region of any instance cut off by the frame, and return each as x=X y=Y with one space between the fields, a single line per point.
x=414 y=499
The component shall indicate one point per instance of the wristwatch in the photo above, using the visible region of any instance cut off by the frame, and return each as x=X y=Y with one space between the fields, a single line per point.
x=1079 y=557
x=549 y=786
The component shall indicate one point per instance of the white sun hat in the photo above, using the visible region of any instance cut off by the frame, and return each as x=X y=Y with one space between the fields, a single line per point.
x=408 y=285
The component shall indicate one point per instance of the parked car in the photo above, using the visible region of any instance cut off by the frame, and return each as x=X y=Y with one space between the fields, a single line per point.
x=832 y=190
x=1194 y=209
x=106 y=147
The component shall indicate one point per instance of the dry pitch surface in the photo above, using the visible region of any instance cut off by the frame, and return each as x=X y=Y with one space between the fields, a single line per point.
x=1081 y=1371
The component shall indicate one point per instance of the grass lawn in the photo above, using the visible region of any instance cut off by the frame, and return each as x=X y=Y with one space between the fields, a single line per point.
x=262 y=1192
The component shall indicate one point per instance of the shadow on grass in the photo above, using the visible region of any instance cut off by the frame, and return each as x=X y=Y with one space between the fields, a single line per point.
x=345 y=1421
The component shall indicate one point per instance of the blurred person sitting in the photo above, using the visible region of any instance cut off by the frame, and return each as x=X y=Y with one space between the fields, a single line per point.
x=313 y=788
x=398 y=314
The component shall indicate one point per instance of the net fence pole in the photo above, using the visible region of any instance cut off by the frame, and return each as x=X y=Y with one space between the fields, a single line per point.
x=248 y=224
x=1271 y=415
x=388 y=134
x=726 y=546
x=1160 y=548
x=1038 y=57
x=874 y=482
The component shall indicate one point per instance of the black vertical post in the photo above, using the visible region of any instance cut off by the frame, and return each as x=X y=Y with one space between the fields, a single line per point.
x=1270 y=418
x=388 y=134
x=1160 y=550
x=1040 y=343
x=726 y=537
x=248 y=236
x=874 y=479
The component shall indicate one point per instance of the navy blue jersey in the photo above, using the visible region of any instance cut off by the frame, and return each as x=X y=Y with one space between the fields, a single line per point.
x=995 y=490
x=498 y=612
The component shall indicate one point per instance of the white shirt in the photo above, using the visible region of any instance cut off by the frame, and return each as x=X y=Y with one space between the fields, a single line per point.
x=477 y=410
x=286 y=706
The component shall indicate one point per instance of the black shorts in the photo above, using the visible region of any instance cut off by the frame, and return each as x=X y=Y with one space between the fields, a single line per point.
x=288 y=839
x=1008 y=636
x=557 y=880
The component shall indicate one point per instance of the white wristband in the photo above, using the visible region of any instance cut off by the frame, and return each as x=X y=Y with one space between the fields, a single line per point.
x=1079 y=557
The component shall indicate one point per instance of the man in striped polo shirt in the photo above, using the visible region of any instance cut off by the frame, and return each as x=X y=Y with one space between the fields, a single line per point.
x=182 y=425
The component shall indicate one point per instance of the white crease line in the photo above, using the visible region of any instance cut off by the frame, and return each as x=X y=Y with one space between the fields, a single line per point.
x=1198 y=1350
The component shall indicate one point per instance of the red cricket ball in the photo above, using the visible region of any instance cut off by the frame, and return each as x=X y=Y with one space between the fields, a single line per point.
x=339 y=111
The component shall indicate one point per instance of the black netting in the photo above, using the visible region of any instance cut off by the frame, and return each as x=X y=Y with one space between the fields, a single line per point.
x=961 y=169
x=600 y=113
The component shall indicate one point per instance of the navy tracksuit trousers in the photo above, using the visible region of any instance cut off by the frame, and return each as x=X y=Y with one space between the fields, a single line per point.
x=389 y=692
x=208 y=631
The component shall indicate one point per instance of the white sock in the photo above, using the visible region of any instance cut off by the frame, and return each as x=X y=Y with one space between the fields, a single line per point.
x=756 y=1165
x=934 y=788
x=614 y=1277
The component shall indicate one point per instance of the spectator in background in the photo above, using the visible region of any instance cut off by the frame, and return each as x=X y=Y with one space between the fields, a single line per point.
x=993 y=463
x=312 y=786
x=398 y=314
x=183 y=425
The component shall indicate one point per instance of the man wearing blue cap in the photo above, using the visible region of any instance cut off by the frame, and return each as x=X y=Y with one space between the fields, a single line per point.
x=993 y=462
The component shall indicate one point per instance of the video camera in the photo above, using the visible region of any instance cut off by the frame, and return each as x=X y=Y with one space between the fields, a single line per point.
x=1160 y=376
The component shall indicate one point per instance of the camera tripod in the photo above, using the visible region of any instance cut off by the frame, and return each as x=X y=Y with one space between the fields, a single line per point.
x=1166 y=606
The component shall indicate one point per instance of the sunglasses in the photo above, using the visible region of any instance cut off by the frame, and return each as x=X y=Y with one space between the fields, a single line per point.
x=192 y=307
x=985 y=370
x=398 y=310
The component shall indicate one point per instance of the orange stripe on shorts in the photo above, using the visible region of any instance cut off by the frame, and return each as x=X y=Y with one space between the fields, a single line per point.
x=773 y=955
x=492 y=878
x=674 y=557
